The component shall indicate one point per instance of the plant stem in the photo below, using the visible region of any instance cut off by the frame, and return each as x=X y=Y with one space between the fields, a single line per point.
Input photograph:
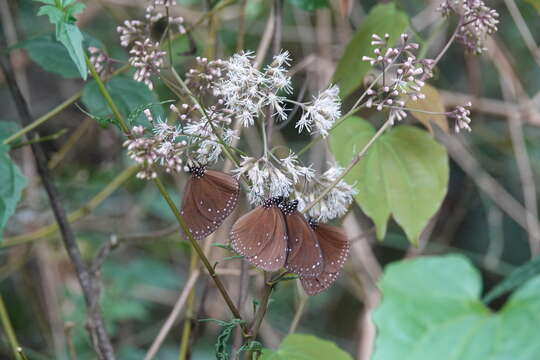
x=197 y=249
x=74 y=215
x=172 y=206
x=40 y=139
x=349 y=167
x=107 y=96
x=42 y=119
x=96 y=325
x=261 y=312
x=298 y=314
x=8 y=329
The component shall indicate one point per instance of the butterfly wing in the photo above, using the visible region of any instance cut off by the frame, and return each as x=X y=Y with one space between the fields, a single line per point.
x=208 y=200
x=335 y=249
x=261 y=237
x=304 y=253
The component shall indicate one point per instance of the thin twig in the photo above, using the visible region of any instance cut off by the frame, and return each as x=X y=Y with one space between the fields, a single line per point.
x=76 y=215
x=482 y=179
x=298 y=314
x=164 y=331
x=100 y=338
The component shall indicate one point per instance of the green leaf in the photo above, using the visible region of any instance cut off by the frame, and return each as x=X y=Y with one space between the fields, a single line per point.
x=404 y=173
x=309 y=5
x=52 y=56
x=71 y=37
x=382 y=19
x=128 y=95
x=7 y=128
x=431 y=308
x=516 y=278
x=12 y=182
x=55 y=15
x=305 y=347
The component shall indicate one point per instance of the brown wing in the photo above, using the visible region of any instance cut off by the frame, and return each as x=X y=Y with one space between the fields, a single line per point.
x=304 y=253
x=208 y=200
x=260 y=236
x=335 y=248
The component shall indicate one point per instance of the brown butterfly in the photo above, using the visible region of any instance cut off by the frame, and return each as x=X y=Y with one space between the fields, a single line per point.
x=261 y=236
x=335 y=250
x=209 y=197
x=304 y=256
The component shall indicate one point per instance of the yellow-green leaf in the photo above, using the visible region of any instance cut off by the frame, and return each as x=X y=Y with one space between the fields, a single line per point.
x=431 y=103
x=403 y=174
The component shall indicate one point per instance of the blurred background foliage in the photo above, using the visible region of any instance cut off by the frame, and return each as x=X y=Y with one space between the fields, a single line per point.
x=141 y=279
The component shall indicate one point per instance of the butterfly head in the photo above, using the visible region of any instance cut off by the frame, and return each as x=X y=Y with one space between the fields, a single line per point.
x=288 y=207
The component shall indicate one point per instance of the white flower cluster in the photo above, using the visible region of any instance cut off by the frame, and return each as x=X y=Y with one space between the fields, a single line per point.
x=322 y=112
x=208 y=131
x=269 y=179
x=145 y=53
x=334 y=204
x=246 y=91
x=477 y=22
x=402 y=75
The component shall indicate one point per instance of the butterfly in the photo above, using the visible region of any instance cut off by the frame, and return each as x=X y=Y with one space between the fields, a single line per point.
x=261 y=236
x=276 y=235
x=335 y=250
x=209 y=197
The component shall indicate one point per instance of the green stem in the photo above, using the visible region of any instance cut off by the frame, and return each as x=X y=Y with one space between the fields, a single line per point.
x=172 y=206
x=105 y=93
x=198 y=249
x=349 y=167
x=40 y=139
x=10 y=333
x=42 y=119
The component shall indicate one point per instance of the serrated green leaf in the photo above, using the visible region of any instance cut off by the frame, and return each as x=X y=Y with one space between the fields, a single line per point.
x=71 y=37
x=382 y=19
x=404 y=174
x=12 y=182
x=128 y=95
x=305 y=347
x=516 y=278
x=431 y=308
x=309 y=5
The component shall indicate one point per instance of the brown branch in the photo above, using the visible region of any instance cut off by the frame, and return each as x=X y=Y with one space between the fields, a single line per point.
x=100 y=338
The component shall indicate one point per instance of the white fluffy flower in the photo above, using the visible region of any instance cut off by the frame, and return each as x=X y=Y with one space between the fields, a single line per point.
x=335 y=203
x=322 y=113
